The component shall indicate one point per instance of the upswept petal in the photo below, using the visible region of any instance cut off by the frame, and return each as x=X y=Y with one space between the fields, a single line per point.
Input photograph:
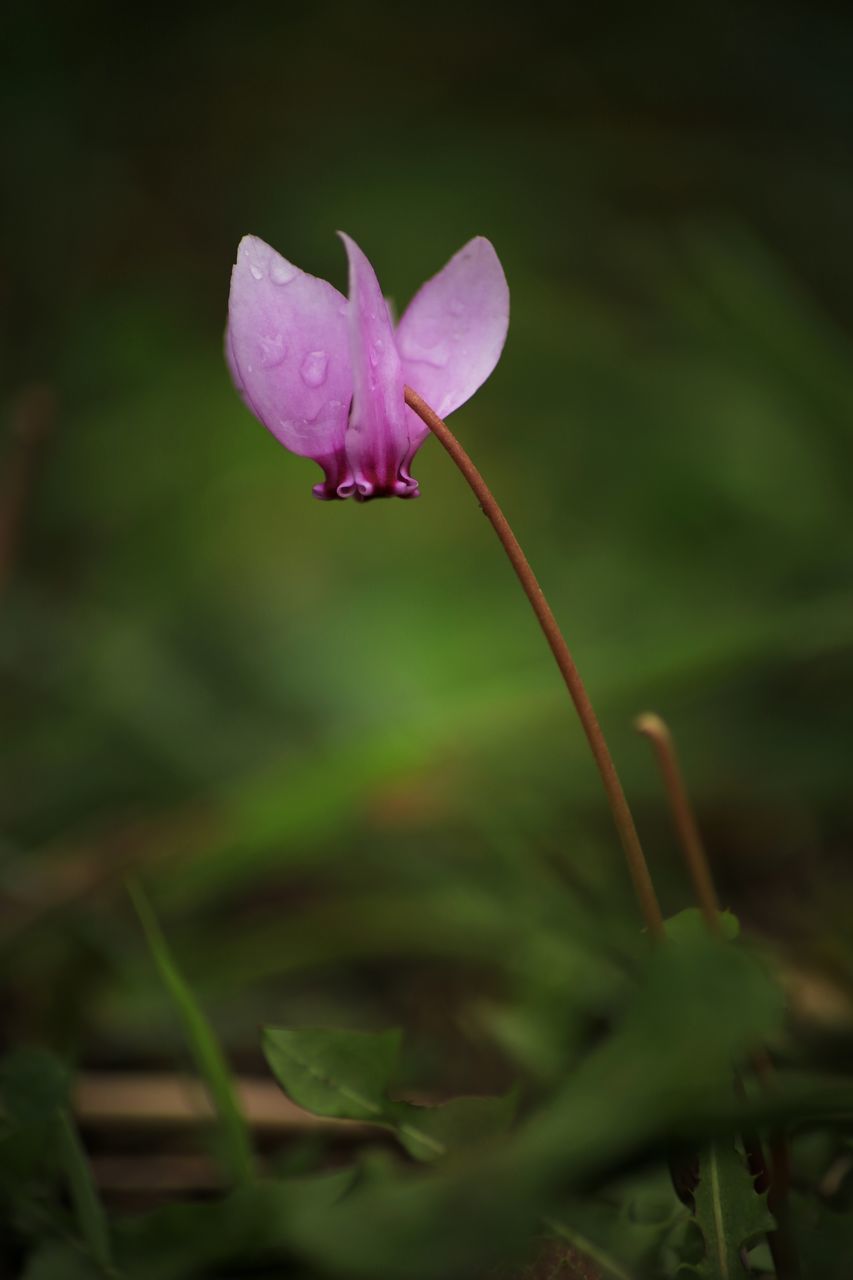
x=453 y=331
x=378 y=447
x=288 y=352
x=233 y=370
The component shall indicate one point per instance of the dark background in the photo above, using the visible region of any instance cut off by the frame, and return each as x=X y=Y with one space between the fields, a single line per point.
x=329 y=737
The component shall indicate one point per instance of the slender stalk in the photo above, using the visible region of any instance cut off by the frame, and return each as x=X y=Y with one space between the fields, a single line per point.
x=637 y=866
x=775 y=1176
x=651 y=726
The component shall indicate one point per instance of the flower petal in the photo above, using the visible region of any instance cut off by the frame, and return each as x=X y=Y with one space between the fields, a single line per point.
x=453 y=331
x=377 y=439
x=288 y=352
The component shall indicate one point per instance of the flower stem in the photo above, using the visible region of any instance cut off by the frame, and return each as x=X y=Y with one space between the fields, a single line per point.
x=637 y=866
x=775 y=1176
x=651 y=726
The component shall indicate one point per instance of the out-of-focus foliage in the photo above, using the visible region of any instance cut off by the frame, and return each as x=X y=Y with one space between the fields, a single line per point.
x=329 y=738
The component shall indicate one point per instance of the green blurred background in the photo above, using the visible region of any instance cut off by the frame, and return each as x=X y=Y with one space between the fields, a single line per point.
x=328 y=737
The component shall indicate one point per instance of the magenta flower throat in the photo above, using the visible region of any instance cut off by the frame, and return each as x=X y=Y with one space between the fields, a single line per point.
x=325 y=374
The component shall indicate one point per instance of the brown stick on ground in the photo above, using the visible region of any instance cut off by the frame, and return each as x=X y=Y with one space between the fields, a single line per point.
x=103 y=1099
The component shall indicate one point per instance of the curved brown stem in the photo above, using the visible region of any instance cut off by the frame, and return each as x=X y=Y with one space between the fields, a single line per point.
x=622 y=816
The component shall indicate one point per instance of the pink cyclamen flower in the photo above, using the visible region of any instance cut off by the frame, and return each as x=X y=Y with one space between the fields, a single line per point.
x=325 y=374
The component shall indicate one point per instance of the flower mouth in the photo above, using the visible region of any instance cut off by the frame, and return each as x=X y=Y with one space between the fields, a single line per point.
x=343 y=481
x=366 y=491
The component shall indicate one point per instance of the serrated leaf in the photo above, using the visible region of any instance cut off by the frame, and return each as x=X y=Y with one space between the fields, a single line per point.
x=344 y=1074
x=690 y=924
x=729 y=1213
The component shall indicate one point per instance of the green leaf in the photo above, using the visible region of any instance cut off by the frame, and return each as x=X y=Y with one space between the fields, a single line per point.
x=345 y=1074
x=690 y=924
x=235 y=1143
x=729 y=1213
x=625 y=1238
x=250 y=1225
x=430 y=1132
x=664 y=1073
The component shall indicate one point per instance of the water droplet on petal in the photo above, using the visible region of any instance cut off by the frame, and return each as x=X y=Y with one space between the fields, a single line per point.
x=314 y=368
x=376 y=351
x=425 y=352
x=256 y=272
x=282 y=271
x=427 y=335
x=273 y=351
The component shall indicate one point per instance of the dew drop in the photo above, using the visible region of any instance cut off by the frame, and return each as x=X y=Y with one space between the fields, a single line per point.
x=314 y=368
x=256 y=272
x=273 y=351
x=282 y=271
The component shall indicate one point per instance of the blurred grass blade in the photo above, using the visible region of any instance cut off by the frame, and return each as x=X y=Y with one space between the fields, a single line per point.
x=87 y=1205
x=609 y=1267
x=236 y=1150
